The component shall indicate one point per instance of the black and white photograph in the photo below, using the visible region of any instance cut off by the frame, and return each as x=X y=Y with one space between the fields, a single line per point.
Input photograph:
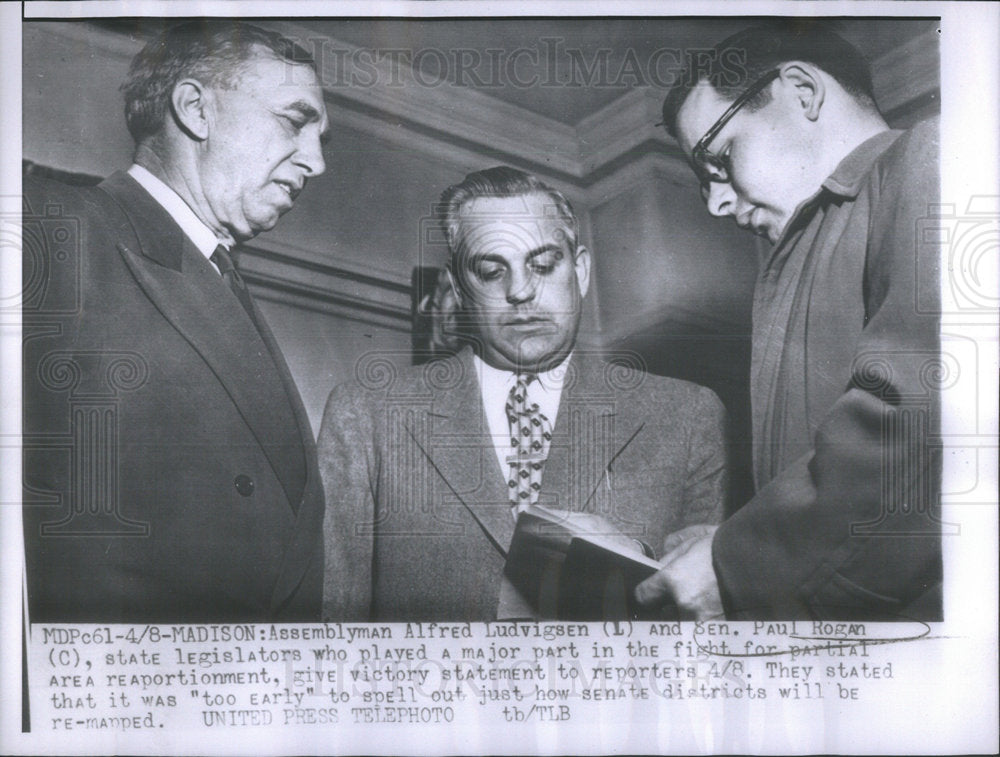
x=448 y=378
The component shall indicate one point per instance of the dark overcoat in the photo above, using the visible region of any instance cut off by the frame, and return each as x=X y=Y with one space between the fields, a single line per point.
x=169 y=467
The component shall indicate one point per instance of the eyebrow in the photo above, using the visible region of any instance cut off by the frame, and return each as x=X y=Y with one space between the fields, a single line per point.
x=542 y=249
x=310 y=114
x=534 y=252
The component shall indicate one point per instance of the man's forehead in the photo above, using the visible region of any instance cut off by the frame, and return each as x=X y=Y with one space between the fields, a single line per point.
x=266 y=71
x=701 y=109
x=534 y=210
x=510 y=224
x=531 y=204
x=284 y=84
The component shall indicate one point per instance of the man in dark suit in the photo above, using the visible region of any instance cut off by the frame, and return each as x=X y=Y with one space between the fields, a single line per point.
x=427 y=468
x=170 y=471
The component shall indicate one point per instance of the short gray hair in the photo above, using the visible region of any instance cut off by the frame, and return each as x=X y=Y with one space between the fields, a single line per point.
x=499 y=181
x=210 y=50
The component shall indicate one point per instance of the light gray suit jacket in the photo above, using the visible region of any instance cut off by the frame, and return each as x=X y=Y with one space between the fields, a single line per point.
x=400 y=451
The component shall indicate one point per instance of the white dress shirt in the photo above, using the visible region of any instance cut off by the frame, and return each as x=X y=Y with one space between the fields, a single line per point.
x=200 y=235
x=495 y=385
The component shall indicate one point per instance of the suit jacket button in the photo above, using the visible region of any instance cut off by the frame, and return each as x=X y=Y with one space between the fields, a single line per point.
x=244 y=484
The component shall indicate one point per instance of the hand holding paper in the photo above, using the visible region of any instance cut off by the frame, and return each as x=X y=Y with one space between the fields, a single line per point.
x=687 y=577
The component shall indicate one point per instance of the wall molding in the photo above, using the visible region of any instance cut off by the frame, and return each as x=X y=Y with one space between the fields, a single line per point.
x=294 y=276
x=460 y=125
x=457 y=125
x=600 y=157
x=461 y=113
x=280 y=272
x=908 y=73
x=639 y=170
x=620 y=127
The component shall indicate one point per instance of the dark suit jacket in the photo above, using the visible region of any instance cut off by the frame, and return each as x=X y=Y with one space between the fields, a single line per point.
x=169 y=469
x=398 y=450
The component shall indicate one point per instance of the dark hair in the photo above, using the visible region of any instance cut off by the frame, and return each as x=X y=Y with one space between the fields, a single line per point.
x=212 y=51
x=499 y=181
x=742 y=58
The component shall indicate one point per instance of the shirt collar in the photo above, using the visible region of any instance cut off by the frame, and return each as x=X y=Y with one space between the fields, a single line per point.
x=849 y=175
x=546 y=390
x=200 y=235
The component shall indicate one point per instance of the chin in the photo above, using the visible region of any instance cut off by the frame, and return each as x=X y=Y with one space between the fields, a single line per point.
x=511 y=360
x=263 y=224
x=544 y=361
x=776 y=229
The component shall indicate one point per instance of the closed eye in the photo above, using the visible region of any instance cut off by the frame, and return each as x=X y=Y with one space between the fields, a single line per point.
x=545 y=262
x=719 y=163
x=298 y=114
x=297 y=123
x=717 y=168
x=488 y=270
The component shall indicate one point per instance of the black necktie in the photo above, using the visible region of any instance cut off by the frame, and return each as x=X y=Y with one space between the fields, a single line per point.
x=224 y=262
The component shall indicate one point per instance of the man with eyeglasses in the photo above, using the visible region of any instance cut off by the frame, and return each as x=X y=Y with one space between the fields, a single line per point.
x=845 y=365
x=427 y=469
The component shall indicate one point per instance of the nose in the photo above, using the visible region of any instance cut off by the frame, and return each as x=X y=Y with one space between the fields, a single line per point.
x=521 y=285
x=309 y=156
x=720 y=199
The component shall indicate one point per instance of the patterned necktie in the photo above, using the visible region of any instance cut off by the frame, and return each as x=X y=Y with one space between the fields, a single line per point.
x=530 y=437
x=224 y=262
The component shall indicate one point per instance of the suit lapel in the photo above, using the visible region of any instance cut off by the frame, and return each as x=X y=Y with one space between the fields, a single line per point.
x=589 y=438
x=303 y=549
x=462 y=453
x=195 y=300
x=566 y=474
x=303 y=429
x=590 y=432
x=558 y=489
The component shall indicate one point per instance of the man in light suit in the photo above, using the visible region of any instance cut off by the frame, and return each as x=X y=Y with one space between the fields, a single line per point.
x=170 y=471
x=427 y=468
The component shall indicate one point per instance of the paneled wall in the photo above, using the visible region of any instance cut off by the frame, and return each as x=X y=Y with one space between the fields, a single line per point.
x=333 y=277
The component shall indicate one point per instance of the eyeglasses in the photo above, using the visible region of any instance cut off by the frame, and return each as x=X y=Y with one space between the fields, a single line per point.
x=709 y=166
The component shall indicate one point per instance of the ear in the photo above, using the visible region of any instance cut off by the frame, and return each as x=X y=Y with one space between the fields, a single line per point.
x=581 y=263
x=806 y=86
x=189 y=102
